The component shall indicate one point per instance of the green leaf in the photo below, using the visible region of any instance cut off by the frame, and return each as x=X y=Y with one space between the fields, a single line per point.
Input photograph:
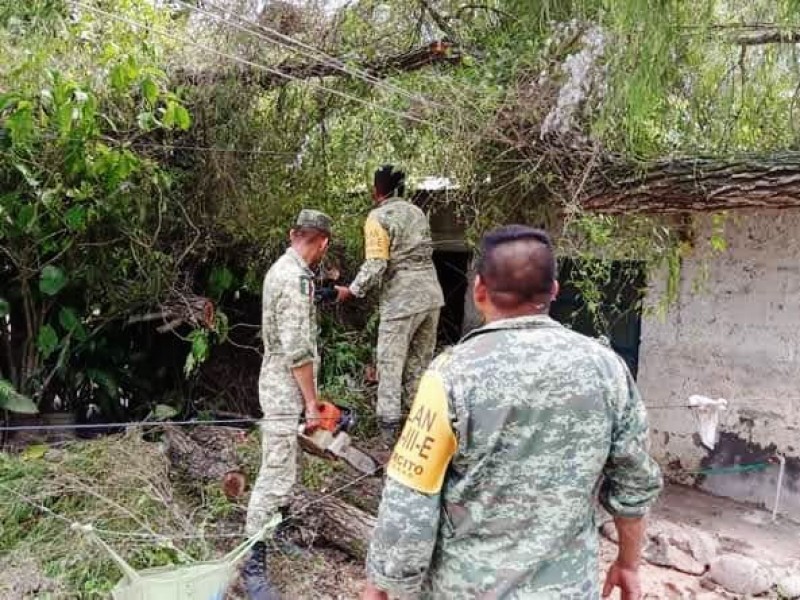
x=52 y=280
x=71 y=323
x=219 y=281
x=75 y=218
x=150 y=90
x=68 y=318
x=170 y=117
x=12 y=400
x=5 y=308
x=20 y=125
x=26 y=217
x=182 y=117
x=47 y=340
x=200 y=346
x=34 y=452
x=162 y=412
x=121 y=78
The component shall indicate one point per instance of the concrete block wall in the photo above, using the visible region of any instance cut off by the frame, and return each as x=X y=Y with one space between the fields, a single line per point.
x=733 y=333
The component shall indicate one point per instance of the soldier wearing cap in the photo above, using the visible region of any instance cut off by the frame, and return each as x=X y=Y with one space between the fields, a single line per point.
x=513 y=437
x=398 y=261
x=287 y=383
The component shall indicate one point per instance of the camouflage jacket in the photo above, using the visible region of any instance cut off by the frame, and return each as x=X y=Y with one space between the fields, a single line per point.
x=398 y=260
x=288 y=314
x=492 y=488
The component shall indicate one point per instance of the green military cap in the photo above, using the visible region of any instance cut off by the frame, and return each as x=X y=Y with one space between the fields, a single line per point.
x=314 y=219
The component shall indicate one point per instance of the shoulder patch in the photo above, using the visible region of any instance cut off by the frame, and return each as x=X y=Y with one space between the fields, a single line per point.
x=423 y=452
x=376 y=240
x=306 y=286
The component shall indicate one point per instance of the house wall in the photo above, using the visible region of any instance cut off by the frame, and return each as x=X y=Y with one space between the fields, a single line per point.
x=733 y=333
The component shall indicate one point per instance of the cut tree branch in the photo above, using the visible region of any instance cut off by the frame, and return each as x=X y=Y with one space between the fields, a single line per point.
x=439 y=52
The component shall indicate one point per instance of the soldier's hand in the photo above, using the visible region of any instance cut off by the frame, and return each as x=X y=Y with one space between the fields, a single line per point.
x=343 y=293
x=626 y=579
x=312 y=417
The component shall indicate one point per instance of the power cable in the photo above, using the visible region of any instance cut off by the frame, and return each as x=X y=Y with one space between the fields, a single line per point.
x=252 y=64
x=307 y=50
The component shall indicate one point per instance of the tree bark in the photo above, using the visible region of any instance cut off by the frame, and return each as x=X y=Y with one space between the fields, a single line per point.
x=333 y=521
x=695 y=185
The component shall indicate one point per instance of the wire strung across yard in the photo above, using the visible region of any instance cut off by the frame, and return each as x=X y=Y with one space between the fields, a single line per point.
x=125 y=424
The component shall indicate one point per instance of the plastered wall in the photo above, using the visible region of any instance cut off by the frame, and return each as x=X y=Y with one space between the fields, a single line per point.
x=734 y=333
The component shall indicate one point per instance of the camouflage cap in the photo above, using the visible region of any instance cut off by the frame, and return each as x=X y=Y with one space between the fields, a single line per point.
x=314 y=219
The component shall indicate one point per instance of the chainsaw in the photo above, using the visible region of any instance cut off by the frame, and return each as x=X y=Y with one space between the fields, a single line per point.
x=331 y=439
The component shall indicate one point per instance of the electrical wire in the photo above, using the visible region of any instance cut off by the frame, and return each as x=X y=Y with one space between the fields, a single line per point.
x=249 y=63
x=306 y=50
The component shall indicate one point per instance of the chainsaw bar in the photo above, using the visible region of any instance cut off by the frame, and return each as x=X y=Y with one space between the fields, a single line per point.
x=322 y=442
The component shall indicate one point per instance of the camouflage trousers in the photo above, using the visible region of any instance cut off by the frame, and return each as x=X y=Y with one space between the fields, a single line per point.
x=405 y=349
x=281 y=402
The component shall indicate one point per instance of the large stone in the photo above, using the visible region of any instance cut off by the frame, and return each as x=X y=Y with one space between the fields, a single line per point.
x=699 y=544
x=740 y=574
x=663 y=554
x=789 y=586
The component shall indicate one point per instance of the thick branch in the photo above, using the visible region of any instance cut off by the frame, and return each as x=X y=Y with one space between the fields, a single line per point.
x=441 y=52
x=702 y=184
x=767 y=36
x=333 y=521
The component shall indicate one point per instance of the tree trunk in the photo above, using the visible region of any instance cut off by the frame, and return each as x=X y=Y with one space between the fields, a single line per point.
x=691 y=185
x=333 y=521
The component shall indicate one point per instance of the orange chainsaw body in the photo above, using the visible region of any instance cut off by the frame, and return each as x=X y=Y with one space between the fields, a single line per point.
x=330 y=416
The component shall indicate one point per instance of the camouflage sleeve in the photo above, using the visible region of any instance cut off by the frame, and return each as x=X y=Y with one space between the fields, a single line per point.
x=295 y=322
x=403 y=540
x=369 y=276
x=632 y=478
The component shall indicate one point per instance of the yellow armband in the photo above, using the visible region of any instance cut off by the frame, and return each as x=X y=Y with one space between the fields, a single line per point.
x=423 y=452
x=376 y=240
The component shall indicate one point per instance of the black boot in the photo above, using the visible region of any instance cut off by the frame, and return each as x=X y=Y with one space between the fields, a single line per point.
x=254 y=575
x=283 y=535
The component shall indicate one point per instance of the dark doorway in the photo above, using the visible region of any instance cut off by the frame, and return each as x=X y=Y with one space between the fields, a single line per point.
x=451 y=268
x=619 y=316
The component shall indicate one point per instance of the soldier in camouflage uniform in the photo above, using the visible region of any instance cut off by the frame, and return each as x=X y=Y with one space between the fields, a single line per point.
x=514 y=433
x=398 y=253
x=287 y=383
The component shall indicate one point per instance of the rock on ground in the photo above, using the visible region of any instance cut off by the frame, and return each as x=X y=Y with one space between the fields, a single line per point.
x=740 y=574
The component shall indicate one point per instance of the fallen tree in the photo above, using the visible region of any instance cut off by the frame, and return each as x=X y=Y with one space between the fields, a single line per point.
x=695 y=184
x=208 y=454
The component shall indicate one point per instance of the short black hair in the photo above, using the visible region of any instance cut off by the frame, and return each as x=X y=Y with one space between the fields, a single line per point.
x=518 y=266
x=389 y=181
